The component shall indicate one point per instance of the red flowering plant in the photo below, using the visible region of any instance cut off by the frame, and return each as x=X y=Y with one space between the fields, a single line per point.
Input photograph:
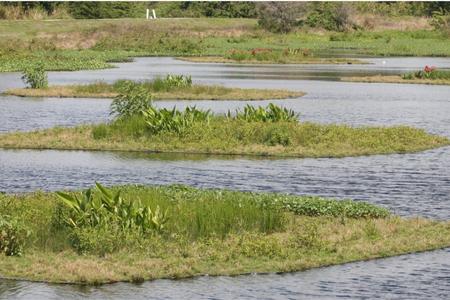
x=428 y=69
x=427 y=73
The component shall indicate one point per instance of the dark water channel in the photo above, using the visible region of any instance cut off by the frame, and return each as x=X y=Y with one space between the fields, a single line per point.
x=412 y=184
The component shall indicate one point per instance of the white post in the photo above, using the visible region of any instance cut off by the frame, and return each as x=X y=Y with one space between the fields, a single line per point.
x=148 y=13
x=154 y=14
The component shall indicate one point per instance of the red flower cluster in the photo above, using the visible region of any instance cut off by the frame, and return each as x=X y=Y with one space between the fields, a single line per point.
x=428 y=69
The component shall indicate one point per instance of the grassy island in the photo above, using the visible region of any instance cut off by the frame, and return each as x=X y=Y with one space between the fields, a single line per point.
x=246 y=57
x=254 y=131
x=429 y=75
x=160 y=88
x=136 y=233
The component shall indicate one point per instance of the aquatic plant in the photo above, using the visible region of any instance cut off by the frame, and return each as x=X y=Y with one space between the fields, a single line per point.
x=174 y=120
x=428 y=72
x=35 y=76
x=13 y=235
x=271 y=113
x=132 y=99
x=89 y=211
x=170 y=81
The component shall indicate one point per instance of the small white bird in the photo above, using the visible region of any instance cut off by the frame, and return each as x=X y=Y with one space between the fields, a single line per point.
x=383 y=62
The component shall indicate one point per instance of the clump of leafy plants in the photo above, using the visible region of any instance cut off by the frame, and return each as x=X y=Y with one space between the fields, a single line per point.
x=315 y=206
x=171 y=82
x=35 y=76
x=132 y=99
x=271 y=113
x=88 y=210
x=13 y=235
x=429 y=72
x=174 y=120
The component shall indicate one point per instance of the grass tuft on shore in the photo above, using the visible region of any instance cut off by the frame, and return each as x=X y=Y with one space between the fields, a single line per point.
x=215 y=232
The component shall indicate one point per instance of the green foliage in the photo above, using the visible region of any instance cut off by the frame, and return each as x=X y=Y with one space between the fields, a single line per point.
x=90 y=211
x=100 y=131
x=13 y=10
x=314 y=206
x=133 y=98
x=329 y=15
x=216 y=213
x=400 y=8
x=170 y=82
x=307 y=236
x=441 y=20
x=427 y=73
x=176 y=121
x=35 y=76
x=271 y=113
x=216 y=9
x=44 y=53
x=106 y=10
x=13 y=236
x=277 y=136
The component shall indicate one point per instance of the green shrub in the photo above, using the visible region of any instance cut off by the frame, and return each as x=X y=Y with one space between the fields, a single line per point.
x=441 y=20
x=330 y=16
x=35 y=76
x=13 y=236
x=132 y=99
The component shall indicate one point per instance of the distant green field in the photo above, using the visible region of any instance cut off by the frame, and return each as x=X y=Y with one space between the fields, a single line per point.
x=91 y=44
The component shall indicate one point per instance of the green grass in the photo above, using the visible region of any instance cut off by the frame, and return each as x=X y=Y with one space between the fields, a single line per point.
x=435 y=77
x=215 y=232
x=431 y=75
x=159 y=91
x=231 y=136
x=92 y=44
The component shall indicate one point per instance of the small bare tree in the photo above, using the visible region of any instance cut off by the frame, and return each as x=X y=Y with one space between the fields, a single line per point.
x=280 y=17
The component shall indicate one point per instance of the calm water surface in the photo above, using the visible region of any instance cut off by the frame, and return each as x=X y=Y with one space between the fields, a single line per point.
x=412 y=184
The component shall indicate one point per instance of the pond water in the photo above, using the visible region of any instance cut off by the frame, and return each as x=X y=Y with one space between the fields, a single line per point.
x=412 y=184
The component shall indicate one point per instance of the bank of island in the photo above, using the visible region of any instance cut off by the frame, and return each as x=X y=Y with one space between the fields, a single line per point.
x=136 y=233
x=269 y=131
x=429 y=75
x=171 y=87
